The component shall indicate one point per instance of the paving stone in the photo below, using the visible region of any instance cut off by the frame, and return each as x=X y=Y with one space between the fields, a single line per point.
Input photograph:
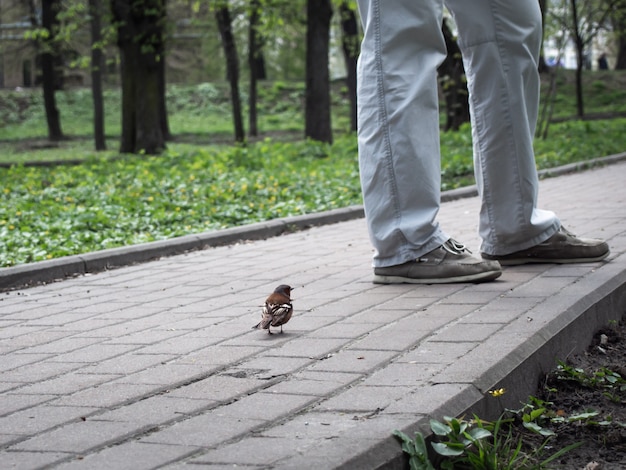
x=24 y=460
x=219 y=387
x=14 y=361
x=249 y=451
x=168 y=374
x=437 y=352
x=11 y=402
x=63 y=384
x=78 y=437
x=107 y=395
x=94 y=353
x=469 y=332
x=311 y=348
x=39 y=371
x=354 y=360
x=126 y=363
x=156 y=410
x=60 y=346
x=40 y=418
x=129 y=456
x=206 y=430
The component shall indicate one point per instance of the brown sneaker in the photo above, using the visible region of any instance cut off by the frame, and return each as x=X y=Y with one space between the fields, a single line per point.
x=561 y=248
x=449 y=263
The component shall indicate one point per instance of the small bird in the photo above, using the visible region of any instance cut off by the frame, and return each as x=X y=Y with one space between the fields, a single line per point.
x=277 y=309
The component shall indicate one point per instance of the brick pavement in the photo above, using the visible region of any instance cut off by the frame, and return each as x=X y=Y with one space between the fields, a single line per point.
x=155 y=365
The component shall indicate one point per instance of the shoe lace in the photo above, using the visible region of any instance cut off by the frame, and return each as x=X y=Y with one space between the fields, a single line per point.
x=454 y=247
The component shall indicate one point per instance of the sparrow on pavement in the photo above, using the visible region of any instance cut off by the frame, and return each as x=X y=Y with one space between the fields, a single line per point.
x=277 y=309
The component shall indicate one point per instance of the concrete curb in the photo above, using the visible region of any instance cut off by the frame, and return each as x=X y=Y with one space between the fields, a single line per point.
x=48 y=271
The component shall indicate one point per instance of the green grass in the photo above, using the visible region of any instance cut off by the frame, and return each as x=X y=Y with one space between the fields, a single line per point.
x=202 y=182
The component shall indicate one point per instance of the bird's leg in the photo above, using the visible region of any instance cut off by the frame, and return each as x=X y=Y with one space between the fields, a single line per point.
x=281 y=329
x=269 y=331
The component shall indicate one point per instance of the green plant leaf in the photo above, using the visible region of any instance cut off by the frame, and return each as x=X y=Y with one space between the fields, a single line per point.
x=479 y=433
x=448 y=450
x=440 y=429
x=583 y=416
x=534 y=427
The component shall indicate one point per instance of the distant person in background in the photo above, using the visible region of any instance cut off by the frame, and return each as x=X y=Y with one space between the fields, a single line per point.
x=398 y=138
x=602 y=62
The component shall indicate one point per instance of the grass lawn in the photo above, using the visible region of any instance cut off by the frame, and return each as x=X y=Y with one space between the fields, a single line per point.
x=203 y=182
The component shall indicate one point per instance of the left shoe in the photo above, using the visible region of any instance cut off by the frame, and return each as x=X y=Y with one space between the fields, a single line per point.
x=561 y=248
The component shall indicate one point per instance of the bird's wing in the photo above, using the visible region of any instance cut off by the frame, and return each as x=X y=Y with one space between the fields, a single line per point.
x=281 y=313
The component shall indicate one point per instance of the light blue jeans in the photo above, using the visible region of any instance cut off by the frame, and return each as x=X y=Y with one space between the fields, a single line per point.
x=398 y=122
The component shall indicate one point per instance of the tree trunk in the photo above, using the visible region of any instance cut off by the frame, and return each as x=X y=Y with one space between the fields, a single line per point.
x=97 y=69
x=619 y=27
x=49 y=21
x=453 y=83
x=253 y=52
x=317 y=119
x=543 y=66
x=350 y=44
x=140 y=40
x=222 y=15
x=578 y=42
x=163 y=120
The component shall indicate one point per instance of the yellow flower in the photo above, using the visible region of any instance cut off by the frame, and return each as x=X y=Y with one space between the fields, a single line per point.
x=497 y=393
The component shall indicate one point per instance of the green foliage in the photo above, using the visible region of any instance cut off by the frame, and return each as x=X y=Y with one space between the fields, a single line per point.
x=56 y=211
x=604 y=378
x=476 y=444
x=416 y=449
x=519 y=439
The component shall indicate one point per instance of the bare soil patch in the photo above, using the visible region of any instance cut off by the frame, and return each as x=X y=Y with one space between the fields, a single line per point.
x=583 y=386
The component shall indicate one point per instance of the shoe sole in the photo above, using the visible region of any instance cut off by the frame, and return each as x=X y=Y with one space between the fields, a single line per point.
x=478 y=277
x=521 y=261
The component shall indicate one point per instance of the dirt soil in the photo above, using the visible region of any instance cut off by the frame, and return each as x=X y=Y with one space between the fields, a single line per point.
x=604 y=445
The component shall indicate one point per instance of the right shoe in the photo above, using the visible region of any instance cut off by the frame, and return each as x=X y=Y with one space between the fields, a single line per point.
x=561 y=248
x=450 y=263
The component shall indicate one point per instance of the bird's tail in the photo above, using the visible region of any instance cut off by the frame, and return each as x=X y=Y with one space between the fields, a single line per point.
x=257 y=326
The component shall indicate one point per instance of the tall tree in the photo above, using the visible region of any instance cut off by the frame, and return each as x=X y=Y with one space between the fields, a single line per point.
x=543 y=66
x=140 y=38
x=160 y=50
x=317 y=119
x=580 y=45
x=254 y=51
x=582 y=20
x=350 y=45
x=49 y=57
x=618 y=21
x=222 y=14
x=97 y=69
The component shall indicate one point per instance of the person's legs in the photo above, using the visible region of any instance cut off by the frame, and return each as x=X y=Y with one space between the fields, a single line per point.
x=398 y=122
x=398 y=133
x=500 y=42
